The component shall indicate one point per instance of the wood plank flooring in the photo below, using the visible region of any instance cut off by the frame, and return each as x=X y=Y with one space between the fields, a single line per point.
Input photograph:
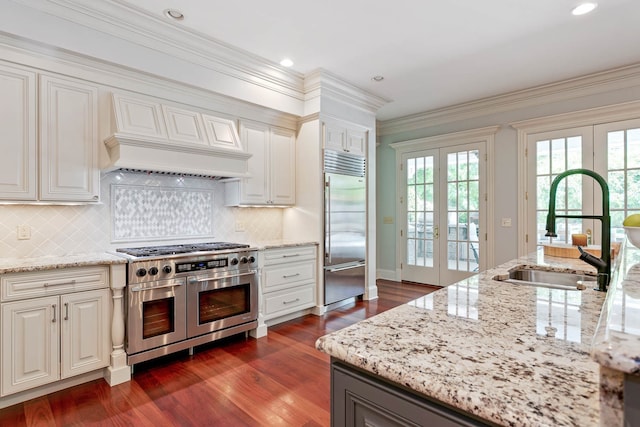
x=279 y=380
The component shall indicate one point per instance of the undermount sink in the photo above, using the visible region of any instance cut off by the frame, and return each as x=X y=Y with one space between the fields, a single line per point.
x=548 y=279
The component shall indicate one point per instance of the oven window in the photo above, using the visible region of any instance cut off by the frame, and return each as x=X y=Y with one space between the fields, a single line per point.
x=221 y=303
x=158 y=317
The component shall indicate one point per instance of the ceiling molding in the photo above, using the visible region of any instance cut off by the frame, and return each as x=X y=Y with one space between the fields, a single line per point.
x=44 y=57
x=152 y=32
x=321 y=83
x=618 y=78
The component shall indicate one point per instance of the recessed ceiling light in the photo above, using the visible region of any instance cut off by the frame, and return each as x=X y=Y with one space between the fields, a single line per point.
x=377 y=78
x=584 y=8
x=174 y=14
x=286 y=62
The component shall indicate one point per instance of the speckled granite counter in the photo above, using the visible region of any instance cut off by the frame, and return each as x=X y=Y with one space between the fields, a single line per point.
x=280 y=244
x=17 y=265
x=508 y=354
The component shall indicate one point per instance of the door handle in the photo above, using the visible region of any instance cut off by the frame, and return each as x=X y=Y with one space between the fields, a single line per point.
x=66 y=311
x=328 y=220
x=54 y=313
x=436 y=232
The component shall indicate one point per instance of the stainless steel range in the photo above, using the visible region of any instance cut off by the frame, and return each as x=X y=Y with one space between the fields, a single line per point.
x=180 y=296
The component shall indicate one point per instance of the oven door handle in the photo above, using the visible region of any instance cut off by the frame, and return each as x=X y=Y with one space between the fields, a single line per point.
x=172 y=285
x=195 y=279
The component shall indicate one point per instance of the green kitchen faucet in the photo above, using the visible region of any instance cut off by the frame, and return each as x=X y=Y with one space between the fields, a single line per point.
x=603 y=264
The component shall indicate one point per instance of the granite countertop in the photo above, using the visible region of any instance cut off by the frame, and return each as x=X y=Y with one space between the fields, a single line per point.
x=17 y=265
x=617 y=341
x=274 y=244
x=509 y=354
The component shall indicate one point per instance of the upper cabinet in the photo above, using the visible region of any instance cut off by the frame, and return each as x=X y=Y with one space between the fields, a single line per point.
x=272 y=167
x=68 y=138
x=64 y=113
x=340 y=136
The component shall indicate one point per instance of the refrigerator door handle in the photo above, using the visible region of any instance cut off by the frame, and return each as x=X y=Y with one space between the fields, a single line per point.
x=348 y=267
x=328 y=221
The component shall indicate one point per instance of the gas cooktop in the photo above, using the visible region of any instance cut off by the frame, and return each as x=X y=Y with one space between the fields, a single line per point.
x=149 y=251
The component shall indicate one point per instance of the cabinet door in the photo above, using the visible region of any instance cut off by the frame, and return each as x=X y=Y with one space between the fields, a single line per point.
x=68 y=140
x=85 y=331
x=18 y=110
x=255 y=136
x=30 y=344
x=283 y=167
x=334 y=136
x=357 y=142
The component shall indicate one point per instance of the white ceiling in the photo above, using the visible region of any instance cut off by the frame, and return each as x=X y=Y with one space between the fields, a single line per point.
x=432 y=53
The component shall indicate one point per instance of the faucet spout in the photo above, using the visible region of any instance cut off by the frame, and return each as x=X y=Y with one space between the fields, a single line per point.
x=603 y=264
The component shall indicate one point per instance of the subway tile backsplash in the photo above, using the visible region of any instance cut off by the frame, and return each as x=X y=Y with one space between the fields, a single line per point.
x=136 y=209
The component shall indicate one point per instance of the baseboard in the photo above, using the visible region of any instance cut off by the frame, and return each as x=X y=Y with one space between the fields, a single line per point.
x=386 y=274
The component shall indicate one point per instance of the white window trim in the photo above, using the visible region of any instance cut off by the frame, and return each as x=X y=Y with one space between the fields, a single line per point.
x=589 y=117
x=486 y=135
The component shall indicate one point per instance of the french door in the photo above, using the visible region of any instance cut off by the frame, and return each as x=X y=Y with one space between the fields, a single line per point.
x=443 y=209
x=611 y=150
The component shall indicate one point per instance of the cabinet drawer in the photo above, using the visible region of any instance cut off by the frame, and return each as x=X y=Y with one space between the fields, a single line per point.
x=297 y=253
x=284 y=275
x=17 y=286
x=284 y=302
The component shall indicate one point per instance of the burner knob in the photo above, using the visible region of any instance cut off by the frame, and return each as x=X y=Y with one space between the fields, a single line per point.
x=141 y=272
x=153 y=271
x=244 y=260
x=234 y=261
x=252 y=259
x=167 y=269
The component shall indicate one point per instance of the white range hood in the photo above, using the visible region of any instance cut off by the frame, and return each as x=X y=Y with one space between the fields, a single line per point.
x=153 y=136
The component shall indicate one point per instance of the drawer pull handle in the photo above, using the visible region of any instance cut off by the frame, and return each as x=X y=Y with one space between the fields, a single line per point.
x=70 y=282
x=291 y=302
x=290 y=256
x=66 y=311
x=288 y=276
x=54 y=313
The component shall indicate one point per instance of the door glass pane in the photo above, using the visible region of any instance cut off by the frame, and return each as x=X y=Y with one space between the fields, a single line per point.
x=552 y=158
x=623 y=177
x=463 y=201
x=420 y=205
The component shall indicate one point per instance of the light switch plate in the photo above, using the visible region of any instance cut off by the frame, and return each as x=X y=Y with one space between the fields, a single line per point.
x=387 y=220
x=506 y=222
x=239 y=226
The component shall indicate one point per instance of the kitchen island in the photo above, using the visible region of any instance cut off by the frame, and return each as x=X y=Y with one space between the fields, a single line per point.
x=495 y=352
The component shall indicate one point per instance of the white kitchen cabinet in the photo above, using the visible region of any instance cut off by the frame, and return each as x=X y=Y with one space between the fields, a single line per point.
x=272 y=167
x=288 y=281
x=68 y=140
x=48 y=122
x=49 y=338
x=340 y=136
x=18 y=115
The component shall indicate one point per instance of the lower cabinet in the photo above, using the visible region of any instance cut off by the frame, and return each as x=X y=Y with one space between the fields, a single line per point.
x=359 y=399
x=50 y=338
x=288 y=281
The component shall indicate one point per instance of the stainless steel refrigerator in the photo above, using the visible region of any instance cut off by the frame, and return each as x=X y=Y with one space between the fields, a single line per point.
x=344 y=226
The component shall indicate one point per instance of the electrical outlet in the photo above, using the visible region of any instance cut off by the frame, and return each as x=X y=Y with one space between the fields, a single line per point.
x=24 y=232
x=239 y=226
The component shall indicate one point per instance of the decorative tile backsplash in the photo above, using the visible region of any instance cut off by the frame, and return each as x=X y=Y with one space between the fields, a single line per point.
x=151 y=213
x=176 y=208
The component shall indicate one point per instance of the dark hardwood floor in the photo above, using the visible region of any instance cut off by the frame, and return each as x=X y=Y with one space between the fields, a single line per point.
x=279 y=380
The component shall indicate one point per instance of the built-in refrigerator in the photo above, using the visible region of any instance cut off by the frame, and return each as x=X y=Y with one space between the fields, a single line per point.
x=344 y=226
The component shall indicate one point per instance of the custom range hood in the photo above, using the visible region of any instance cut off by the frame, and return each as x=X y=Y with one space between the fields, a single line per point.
x=153 y=136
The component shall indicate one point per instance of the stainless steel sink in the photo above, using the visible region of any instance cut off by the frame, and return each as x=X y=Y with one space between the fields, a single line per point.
x=549 y=279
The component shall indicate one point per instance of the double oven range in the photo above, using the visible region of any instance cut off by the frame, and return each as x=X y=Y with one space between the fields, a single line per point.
x=180 y=296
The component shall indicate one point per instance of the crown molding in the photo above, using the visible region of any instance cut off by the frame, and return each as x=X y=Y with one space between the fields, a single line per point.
x=462 y=137
x=137 y=26
x=609 y=80
x=49 y=59
x=320 y=84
